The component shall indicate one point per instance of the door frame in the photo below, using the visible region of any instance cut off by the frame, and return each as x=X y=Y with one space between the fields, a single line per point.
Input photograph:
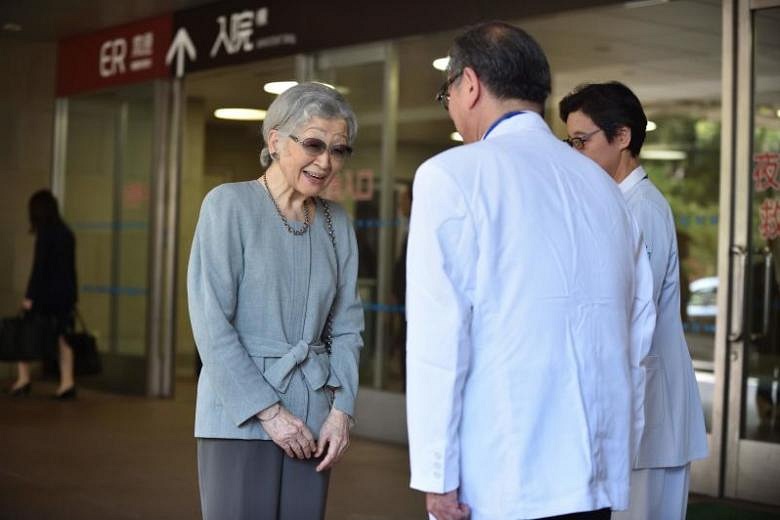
x=707 y=474
x=152 y=373
x=386 y=54
x=380 y=414
x=749 y=466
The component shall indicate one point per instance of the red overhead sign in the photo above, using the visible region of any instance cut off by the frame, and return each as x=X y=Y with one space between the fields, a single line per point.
x=116 y=56
x=239 y=31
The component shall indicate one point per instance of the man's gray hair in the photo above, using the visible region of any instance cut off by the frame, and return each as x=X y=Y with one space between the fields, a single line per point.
x=298 y=105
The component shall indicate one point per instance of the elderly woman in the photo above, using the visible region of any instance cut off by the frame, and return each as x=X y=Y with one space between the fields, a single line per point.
x=273 y=301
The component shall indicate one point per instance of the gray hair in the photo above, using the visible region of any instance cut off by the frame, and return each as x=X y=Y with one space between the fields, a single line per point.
x=298 y=105
x=506 y=58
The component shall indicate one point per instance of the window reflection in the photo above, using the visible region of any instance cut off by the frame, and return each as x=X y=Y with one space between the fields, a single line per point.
x=761 y=406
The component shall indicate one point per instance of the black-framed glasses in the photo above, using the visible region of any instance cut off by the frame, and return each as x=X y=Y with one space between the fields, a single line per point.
x=443 y=95
x=314 y=147
x=578 y=142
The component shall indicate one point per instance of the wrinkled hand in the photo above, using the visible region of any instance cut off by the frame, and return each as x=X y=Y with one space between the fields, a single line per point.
x=445 y=506
x=287 y=431
x=335 y=434
x=27 y=304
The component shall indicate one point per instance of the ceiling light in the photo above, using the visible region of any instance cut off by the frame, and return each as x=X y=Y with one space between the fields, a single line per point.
x=778 y=112
x=455 y=136
x=12 y=27
x=650 y=126
x=240 y=114
x=663 y=155
x=441 y=63
x=277 y=87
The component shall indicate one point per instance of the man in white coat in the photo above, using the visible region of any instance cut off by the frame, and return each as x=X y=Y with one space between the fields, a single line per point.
x=528 y=305
x=606 y=122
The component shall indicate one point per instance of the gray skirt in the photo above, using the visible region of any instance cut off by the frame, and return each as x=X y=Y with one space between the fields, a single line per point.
x=256 y=480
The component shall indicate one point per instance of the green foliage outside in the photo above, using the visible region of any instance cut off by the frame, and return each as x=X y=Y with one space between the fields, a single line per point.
x=691 y=185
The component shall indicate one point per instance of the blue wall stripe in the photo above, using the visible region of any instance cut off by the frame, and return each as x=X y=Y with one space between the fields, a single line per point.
x=363 y=223
x=376 y=223
x=383 y=307
x=124 y=225
x=697 y=220
x=699 y=328
x=109 y=289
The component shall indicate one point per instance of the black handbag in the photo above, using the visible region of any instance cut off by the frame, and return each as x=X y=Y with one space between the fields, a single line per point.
x=27 y=337
x=86 y=358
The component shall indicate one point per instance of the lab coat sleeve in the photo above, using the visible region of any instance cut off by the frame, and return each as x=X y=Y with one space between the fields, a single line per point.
x=658 y=236
x=440 y=263
x=641 y=336
x=215 y=270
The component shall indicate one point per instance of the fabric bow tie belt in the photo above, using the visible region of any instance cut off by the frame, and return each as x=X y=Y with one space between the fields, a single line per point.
x=313 y=361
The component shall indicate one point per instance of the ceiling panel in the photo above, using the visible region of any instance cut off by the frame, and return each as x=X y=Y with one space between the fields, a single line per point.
x=669 y=53
x=50 y=20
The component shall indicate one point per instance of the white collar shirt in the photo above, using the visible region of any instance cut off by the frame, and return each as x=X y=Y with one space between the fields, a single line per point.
x=529 y=313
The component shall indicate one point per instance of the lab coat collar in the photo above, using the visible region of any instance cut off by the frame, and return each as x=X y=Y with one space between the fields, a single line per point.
x=634 y=178
x=526 y=120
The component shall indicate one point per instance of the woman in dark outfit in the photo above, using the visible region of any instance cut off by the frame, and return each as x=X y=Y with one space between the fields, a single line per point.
x=51 y=290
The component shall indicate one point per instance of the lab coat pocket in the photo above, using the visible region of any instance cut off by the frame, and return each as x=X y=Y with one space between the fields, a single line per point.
x=655 y=392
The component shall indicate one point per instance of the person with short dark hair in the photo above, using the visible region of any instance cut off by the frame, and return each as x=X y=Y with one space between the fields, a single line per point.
x=528 y=305
x=606 y=122
x=617 y=120
x=51 y=290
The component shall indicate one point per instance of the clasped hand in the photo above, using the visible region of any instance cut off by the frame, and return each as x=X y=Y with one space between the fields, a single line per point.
x=294 y=437
x=445 y=506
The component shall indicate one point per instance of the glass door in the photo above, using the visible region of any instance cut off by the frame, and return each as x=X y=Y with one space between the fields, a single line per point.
x=753 y=427
x=365 y=188
x=106 y=188
x=368 y=76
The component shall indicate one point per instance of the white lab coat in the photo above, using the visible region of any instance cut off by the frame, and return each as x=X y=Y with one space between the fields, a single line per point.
x=529 y=307
x=674 y=431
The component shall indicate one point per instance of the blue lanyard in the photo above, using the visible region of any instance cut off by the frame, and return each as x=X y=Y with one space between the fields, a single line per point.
x=500 y=119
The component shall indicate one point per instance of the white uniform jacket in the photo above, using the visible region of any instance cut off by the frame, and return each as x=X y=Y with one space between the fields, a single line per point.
x=529 y=307
x=674 y=420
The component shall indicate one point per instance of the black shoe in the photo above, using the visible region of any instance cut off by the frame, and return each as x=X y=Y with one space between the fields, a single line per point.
x=67 y=395
x=23 y=390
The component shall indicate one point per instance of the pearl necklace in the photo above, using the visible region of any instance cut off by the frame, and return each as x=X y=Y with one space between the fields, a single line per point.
x=290 y=229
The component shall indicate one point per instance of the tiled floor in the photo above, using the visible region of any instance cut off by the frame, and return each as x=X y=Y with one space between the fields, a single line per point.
x=111 y=457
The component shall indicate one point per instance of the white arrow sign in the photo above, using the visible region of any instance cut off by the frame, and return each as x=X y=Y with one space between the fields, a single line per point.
x=181 y=43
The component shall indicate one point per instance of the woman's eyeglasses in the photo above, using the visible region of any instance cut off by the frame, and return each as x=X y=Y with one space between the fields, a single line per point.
x=314 y=147
x=578 y=142
x=443 y=95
